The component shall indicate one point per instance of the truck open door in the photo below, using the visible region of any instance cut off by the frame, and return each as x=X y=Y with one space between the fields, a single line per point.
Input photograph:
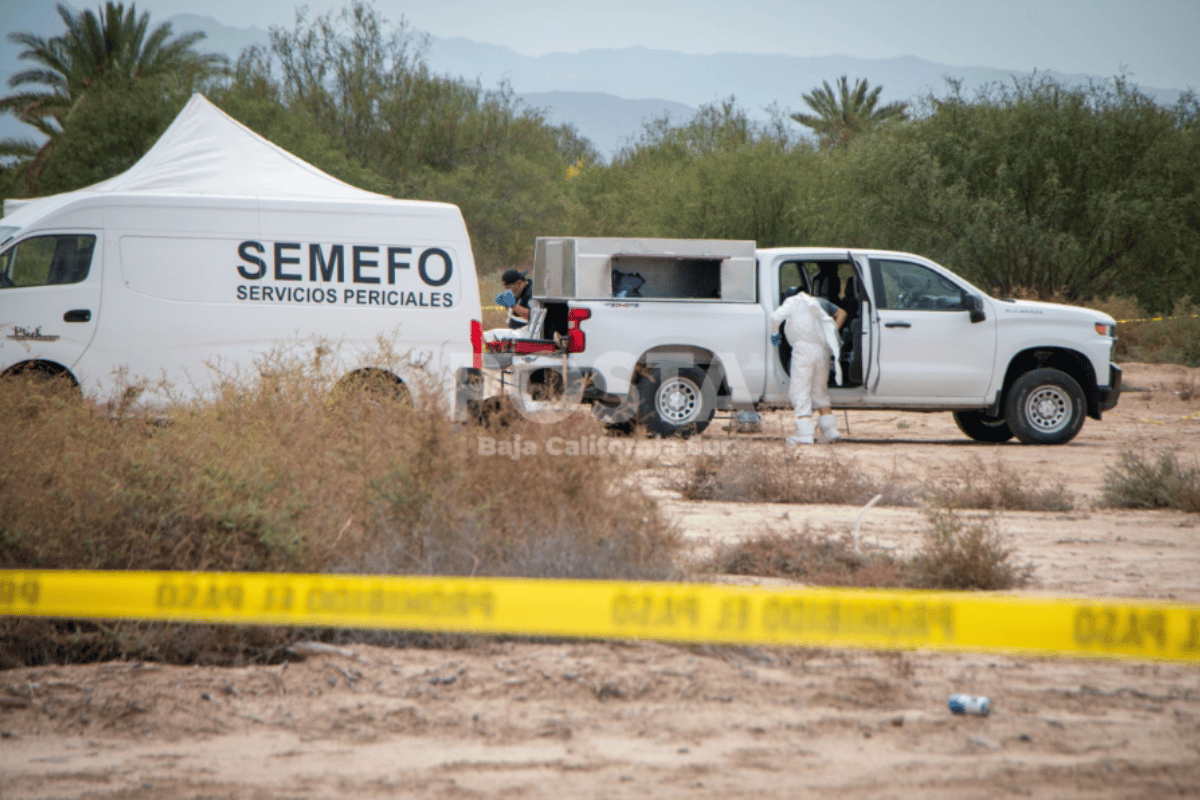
x=859 y=370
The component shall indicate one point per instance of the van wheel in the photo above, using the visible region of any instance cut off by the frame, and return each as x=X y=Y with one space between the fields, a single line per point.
x=1045 y=406
x=370 y=388
x=982 y=428
x=43 y=378
x=676 y=402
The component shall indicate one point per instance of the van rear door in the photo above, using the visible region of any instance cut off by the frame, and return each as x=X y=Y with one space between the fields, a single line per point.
x=49 y=298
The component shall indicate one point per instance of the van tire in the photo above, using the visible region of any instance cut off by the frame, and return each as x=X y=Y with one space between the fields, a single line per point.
x=983 y=428
x=44 y=378
x=675 y=401
x=370 y=387
x=1045 y=406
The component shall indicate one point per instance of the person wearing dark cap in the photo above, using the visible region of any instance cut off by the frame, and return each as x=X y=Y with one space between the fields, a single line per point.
x=517 y=295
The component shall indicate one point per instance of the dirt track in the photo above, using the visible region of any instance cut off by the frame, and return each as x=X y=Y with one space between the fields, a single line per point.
x=658 y=721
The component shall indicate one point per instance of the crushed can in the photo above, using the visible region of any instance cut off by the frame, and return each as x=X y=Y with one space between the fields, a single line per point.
x=970 y=704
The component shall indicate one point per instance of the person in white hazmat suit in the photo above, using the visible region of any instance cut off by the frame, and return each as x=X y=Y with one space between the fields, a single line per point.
x=811 y=330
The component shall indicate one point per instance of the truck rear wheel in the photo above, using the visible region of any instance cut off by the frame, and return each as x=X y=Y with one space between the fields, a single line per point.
x=982 y=428
x=619 y=417
x=1045 y=406
x=676 y=402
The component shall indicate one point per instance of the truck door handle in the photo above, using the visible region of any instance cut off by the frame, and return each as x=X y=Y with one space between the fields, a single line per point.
x=78 y=315
x=897 y=324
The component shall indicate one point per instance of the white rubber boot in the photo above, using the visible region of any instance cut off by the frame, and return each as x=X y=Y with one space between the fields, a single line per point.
x=829 y=432
x=804 y=432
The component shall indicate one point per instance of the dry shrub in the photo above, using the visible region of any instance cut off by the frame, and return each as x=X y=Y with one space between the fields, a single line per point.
x=812 y=475
x=33 y=641
x=798 y=555
x=277 y=472
x=998 y=488
x=1140 y=480
x=222 y=485
x=1122 y=309
x=954 y=555
x=822 y=477
x=459 y=504
x=963 y=555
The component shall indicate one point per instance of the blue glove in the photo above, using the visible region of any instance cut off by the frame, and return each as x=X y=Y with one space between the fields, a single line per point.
x=777 y=339
x=506 y=299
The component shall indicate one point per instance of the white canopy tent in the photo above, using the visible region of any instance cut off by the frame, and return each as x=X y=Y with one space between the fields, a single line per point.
x=207 y=152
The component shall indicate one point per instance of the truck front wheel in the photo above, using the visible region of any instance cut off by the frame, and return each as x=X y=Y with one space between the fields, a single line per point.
x=675 y=402
x=1045 y=406
x=982 y=428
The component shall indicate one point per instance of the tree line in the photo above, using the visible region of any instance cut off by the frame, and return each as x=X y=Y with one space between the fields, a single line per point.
x=1036 y=189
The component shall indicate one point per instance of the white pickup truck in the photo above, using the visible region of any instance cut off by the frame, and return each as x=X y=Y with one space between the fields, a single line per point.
x=664 y=332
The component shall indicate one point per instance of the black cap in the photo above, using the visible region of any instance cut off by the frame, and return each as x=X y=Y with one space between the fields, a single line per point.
x=511 y=276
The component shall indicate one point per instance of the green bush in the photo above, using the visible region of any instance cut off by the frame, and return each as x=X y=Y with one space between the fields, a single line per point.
x=1043 y=189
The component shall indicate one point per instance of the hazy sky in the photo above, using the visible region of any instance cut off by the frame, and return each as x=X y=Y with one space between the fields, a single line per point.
x=1153 y=41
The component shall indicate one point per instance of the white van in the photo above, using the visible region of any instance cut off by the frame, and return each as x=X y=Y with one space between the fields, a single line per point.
x=215 y=248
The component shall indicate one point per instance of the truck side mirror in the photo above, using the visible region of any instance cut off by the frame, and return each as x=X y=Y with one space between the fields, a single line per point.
x=974 y=304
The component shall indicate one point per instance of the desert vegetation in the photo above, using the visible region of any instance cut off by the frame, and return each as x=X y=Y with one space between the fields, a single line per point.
x=755 y=475
x=1153 y=480
x=287 y=471
x=956 y=553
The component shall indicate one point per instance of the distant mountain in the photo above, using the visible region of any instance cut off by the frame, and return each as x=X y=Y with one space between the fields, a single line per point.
x=609 y=122
x=603 y=92
x=757 y=81
x=219 y=38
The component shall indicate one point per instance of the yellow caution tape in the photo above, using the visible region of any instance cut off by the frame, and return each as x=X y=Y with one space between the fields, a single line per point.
x=868 y=618
x=1155 y=319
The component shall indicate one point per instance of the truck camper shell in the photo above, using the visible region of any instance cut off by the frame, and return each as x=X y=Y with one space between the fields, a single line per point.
x=217 y=247
x=584 y=268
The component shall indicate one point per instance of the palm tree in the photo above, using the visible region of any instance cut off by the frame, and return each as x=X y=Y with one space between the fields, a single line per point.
x=107 y=49
x=843 y=115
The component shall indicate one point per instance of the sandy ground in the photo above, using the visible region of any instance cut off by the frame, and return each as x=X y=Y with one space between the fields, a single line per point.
x=615 y=720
